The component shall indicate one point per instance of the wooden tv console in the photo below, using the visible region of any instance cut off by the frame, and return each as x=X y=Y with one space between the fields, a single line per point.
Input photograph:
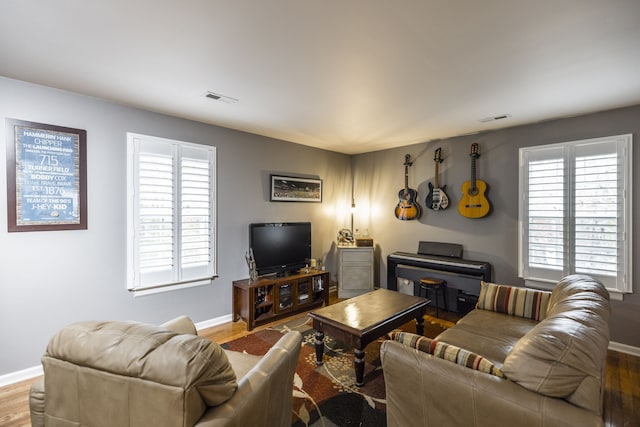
x=272 y=298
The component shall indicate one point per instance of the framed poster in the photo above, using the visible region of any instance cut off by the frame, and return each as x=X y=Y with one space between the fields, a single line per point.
x=46 y=177
x=292 y=189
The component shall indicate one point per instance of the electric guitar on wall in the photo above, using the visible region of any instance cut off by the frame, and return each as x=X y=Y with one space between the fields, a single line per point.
x=407 y=208
x=473 y=203
x=437 y=199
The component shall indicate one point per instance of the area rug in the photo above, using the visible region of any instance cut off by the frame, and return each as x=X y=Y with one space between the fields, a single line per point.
x=326 y=396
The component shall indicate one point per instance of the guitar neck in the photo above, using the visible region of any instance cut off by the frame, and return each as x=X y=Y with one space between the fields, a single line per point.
x=473 y=174
x=437 y=184
x=406 y=180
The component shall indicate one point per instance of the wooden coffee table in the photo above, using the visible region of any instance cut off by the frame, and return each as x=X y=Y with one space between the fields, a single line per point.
x=365 y=318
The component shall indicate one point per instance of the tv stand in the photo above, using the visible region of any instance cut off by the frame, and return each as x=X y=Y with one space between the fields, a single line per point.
x=272 y=298
x=285 y=273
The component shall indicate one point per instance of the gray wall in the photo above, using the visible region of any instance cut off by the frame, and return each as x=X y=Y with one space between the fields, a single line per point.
x=380 y=175
x=49 y=279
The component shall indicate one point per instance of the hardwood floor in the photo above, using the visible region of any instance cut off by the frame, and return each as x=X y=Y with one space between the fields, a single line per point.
x=622 y=390
x=14 y=404
x=621 y=396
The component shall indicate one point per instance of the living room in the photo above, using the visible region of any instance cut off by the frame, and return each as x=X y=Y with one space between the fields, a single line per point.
x=53 y=278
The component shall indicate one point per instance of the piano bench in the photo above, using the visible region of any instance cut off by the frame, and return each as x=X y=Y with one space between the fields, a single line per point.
x=438 y=286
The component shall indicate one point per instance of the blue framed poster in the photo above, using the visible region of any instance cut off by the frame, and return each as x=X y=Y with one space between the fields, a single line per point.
x=46 y=177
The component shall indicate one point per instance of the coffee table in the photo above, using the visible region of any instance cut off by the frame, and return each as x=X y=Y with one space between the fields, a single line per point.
x=365 y=318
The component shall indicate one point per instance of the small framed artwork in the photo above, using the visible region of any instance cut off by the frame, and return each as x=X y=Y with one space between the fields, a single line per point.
x=295 y=189
x=46 y=177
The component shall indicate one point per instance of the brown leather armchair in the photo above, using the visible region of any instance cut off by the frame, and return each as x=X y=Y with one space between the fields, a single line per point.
x=107 y=374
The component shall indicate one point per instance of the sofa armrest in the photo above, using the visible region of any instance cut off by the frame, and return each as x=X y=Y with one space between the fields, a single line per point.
x=264 y=394
x=423 y=390
x=181 y=325
x=36 y=403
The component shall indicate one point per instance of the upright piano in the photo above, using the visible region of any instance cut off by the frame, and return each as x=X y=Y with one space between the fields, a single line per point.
x=439 y=260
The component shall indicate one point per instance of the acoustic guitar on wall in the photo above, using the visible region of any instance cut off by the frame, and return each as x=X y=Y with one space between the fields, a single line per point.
x=437 y=199
x=473 y=203
x=407 y=208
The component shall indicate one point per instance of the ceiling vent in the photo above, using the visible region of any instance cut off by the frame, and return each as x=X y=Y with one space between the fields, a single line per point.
x=494 y=118
x=221 y=98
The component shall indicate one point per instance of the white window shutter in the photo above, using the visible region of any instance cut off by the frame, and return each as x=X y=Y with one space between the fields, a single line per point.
x=545 y=212
x=196 y=213
x=575 y=211
x=171 y=213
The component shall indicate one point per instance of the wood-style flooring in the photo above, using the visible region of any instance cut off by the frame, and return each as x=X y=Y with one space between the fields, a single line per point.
x=621 y=397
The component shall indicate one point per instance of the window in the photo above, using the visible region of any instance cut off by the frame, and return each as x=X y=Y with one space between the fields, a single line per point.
x=170 y=214
x=575 y=211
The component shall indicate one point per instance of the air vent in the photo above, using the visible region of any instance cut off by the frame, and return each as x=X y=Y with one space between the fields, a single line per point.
x=494 y=118
x=221 y=98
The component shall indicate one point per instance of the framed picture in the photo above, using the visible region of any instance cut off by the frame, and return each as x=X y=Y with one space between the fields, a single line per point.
x=293 y=189
x=46 y=177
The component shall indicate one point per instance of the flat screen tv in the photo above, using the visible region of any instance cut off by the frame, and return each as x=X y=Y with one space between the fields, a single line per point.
x=280 y=247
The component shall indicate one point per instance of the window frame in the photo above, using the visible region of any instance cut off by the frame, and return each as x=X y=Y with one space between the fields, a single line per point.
x=547 y=278
x=177 y=277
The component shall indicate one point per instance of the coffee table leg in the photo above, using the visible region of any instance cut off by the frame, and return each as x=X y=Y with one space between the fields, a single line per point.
x=420 y=325
x=358 y=362
x=319 y=347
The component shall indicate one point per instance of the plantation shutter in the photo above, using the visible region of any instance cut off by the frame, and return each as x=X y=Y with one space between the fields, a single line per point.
x=171 y=213
x=155 y=238
x=196 y=214
x=597 y=209
x=546 y=209
x=575 y=211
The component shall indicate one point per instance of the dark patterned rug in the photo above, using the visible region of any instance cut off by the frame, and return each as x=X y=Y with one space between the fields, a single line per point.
x=326 y=396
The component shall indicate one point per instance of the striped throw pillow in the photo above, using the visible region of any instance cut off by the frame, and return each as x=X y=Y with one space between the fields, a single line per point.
x=513 y=300
x=447 y=352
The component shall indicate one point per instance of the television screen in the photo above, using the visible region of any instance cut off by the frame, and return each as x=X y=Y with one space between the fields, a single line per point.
x=280 y=247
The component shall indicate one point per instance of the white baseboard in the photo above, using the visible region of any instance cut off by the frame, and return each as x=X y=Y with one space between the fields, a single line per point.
x=23 y=375
x=26 y=374
x=214 y=322
x=624 y=348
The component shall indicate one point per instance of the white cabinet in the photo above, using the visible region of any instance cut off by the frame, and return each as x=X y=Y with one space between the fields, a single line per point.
x=355 y=271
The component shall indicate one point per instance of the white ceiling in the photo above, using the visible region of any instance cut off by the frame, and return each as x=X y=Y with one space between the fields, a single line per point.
x=346 y=75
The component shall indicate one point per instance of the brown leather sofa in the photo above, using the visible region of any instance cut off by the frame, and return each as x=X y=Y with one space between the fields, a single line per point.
x=521 y=358
x=107 y=374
